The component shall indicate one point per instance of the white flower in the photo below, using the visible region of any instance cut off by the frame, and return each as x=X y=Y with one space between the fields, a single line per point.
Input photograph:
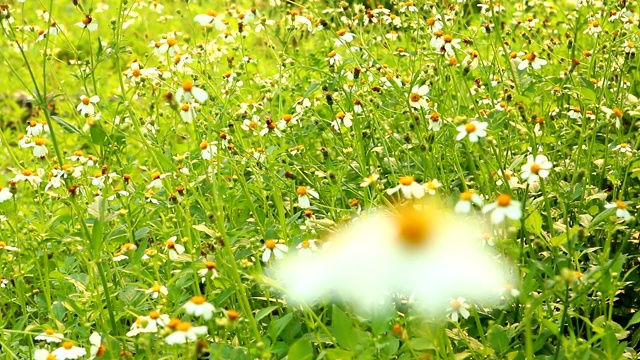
x=199 y=307
x=464 y=204
x=431 y=186
x=68 y=351
x=211 y=19
x=43 y=354
x=504 y=206
x=86 y=106
x=342 y=119
x=185 y=332
x=4 y=246
x=621 y=209
x=210 y=268
x=5 y=194
x=88 y=23
x=532 y=60
x=174 y=249
x=96 y=349
x=50 y=335
x=189 y=93
x=148 y=324
x=344 y=37
x=271 y=246
x=417 y=98
x=306 y=248
x=409 y=188
x=208 y=150
x=303 y=196
x=473 y=129
x=156 y=290
x=458 y=307
x=536 y=168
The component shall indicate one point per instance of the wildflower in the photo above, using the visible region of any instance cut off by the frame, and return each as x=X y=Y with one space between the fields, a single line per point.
x=344 y=37
x=156 y=180
x=504 y=206
x=39 y=150
x=208 y=150
x=458 y=307
x=575 y=113
x=303 y=196
x=189 y=93
x=272 y=246
x=306 y=247
x=43 y=354
x=68 y=350
x=175 y=250
x=88 y=23
x=148 y=324
x=622 y=148
x=4 y=246
x=531 y=59
x=184 y=332
x=409 y=188
x=86 y=106
x=50 y=335
x=188 y=112
x=209 y=268
x=199 y=307
x=28 y=175
x=96 y=349
x=467 y=198
x=156 y=290
x=342 y=119
x=536 y=168
x=473 y=129
x=417 y=98
x=371 y=179
x=5 y=194
x=211 y=18
x=431 y=186
x=621 y=209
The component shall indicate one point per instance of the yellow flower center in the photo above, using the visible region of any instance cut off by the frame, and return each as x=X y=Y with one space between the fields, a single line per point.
x=86 y=100
x=503 y=200
x=187 y=85
x=156 y=288
x=204 y=145
x=183 y=326
x=154 y=315
x=270 y=244
x=466 y=196
x=414 y=225
x=621 y=205
x=211 y=265
x=406 y=180
x=341 y=32
x=305 y=244
x=414 y=97
x=447 y=38
x=185 y=107
x=470 y=127
x=198 y=300
x=455 y=305
x=172 y=41
x=535 y=168
x=531 y=57
x=3 y=244
x=67 y=345
x=302 y=190
x=50 y=331
x=51 y=357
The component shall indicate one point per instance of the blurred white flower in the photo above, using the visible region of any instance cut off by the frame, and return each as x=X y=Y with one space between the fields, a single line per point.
x=199 y=307
x=504 y=206
x=621 y=209
x=421 y=251
x=458 y=307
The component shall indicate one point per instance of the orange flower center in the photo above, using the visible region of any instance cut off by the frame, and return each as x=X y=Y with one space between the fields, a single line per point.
x=406 y=180
x=503 y=200
x=414 y=97
x=187 y=85
x=270 y=244
x=535 y=168
x=198 y=300
x=302 y=190
x=414 y=225
x=67 y=345
x=154 y=314
x=156 y=288
x=172 y=41
x=466 y=196
x=50 y=331
x=531 y=57
x=470 y=127
x=204 y=145
x=86 y=100
x=183 y=326
x=621 y=205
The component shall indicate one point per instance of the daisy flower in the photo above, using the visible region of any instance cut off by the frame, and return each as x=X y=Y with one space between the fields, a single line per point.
x=4 y=246
x=621 y=209
x=211 y=18
x=418 y=97
x=185 y=332
x=199 y=307
x=96 y=349
x=5 y=194
x=271 y=246
x=39 y=149
x=306 y=247
x=156 y=290
x=431 y=186
x=210 y=267
x=458 y=307
x=303 y=196
x=189 y=93
x=50 y=335
x=68 y=350
x=409 y=188
x=473 y=129
x=536 y=168
x=532 y=60
x=175 y=250
x=504 y=206
x=86 y=106
x=43 y=354
x=88 y=23
x=466 y=201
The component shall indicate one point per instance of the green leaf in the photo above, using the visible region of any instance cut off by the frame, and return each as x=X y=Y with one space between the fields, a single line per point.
x=66 y=126
x=634 y=320
x=498 y=339
x=264 y=312
x=533 y=223
x=98 y=135
x=342 y=328
x=562 y=238
x=301 y=350
x=276 y=327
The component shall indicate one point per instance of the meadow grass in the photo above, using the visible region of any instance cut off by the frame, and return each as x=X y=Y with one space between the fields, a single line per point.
x=160 y=158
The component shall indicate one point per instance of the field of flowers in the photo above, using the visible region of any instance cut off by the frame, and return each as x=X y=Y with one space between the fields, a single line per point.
x=272 y=179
